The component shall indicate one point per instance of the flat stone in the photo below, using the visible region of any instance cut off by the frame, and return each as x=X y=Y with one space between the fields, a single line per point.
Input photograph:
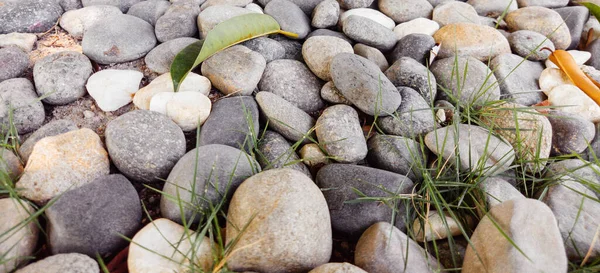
x=318 y=52
x=60 y=263
x=144 y=145
x=235 y=70
x=403 y=11
x=396 y=154
x=339 y=132
x=416 y=26
x=369 y=32
x=14 y=63
x=232 y=122
x=117 y=39
x=17 y=243
x=521 y=220
x=270 y=49
x=78 y=21
x=112 y=88
x=466 y=39
x=294 y=82
x=275 y=152
x=528 y=44
x=61 y=163
x=278 y=242
x=518 y=78
x=149 y=11
x=289 y=16
x=412 y=119
x=326 y=14
x=27 y=111
x=575 y=18
x=178 y=21
x=384 y=248
x=52 y=128
x=542 y=20
x=60 y=77
x=408 y=72
x=123 y=5
x=203 y=177
x=160 y=58
x=78 y=225
x=285 y=118
x=24 y=41
x=571 y=133
x=29 y=16
x=455 y=12
x=363 y=83
x=372 y=54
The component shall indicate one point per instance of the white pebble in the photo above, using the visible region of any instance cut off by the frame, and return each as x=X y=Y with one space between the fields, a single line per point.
x=372 y=14
x=419 y=25
x=113 y=89
x=552 y=77
x=580 y=58
x=163 y=83
x=569 y=98
x=189 y=109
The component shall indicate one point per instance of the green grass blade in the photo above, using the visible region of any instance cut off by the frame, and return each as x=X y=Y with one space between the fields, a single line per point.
x=594 y=9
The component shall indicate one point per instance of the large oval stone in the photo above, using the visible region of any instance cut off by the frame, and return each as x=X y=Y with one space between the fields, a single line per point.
x=542 y=20
x=466 y=39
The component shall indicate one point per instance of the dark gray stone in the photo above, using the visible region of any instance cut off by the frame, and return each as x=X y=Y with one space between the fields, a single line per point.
x=412 y=119
x=270 y=49
x=204 y=177
x=14 y=62
x=123 y=5
x=362 y=82
x=593 y=150
x=70 y=4
x=369 y=32
x=575 y=18
x=30 y=16
x=289 y=16
x=478 y=84
x=60 y=77
x=340 y=134
x=594 y=49
x=293 y=48
x=144 y=145
x=576 y=170
x=91 y=218
x=159 y=59
x=149 y=11
x=397 y=154
x=416 y=46
x=571 y=132
x=117 y=39
x=528 y=44
x=27 y=111
x=338 y=182
x=410 y=73
x=178 y=21
x=518 y=78
x=285 y=118
x=53 y=128
x=232 y=122
x=274 y=152
x=329 y=32
x=294 y=82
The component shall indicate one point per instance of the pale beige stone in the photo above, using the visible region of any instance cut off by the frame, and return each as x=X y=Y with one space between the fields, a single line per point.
x=16 y=242
x=467 y=39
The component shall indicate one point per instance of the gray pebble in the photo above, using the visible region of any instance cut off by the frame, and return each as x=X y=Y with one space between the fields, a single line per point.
x=340 y=134
x=53 y=128
x=396 y=154
x=332 y=95
x=270 y=49
x=124 y=5
x=518 y=78
x=149 y=11
x=369 y=32
x=575 y=18
x=178 y=21
x=160 y=58
x=329 y=32
x=416 y=46
x=571 y=133
x=372 y=54
x=235 y=70
x=29 y=16
x=274 y=152
x=60 y=77
x=14 y=62
x=412 y=119
x=410 y=73
x=19 y=96
x=405 y=10
x=326 y=14
x=289 y=16
x=527 y=43
x=285 y=118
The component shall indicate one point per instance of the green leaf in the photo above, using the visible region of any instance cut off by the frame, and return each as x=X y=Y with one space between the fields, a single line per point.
x=594 y=9
x=228 y=33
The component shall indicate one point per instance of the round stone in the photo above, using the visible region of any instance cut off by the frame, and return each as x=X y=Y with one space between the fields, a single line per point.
x=14 y=62
x=60 y=77
x=542 y=20
x=318 y=52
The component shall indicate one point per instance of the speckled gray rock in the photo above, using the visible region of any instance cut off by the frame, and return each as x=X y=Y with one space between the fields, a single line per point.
x=372 y=54
x=527 y=43
x=289 y=16
x=270 y=49
x=144 y=145
x=17 y=244
x=477 y=84
x=594 y=49
x=410 y=73
x=331 y=94
x=338 y=181
x=416 y=46
x=543 y=3
x=293 y=48
x=326 y=14
x=571 y=133
x=178 y=21
x=78 y=21
x=369 y=32
x=305 y=5
x=293 y=81
x=275 y=153
x=28 y=112
x=402 y=10
x=319 y=50
x=493 y=8
x=279 y=242
x=30 y=16
x=337 y=268
x=76 y=224
x=475 y=147
x=498 y=190
x=455 y=12
x=594 y=146
x=522 y=219
x=518 y=78
x=63 y=263
x=329 y=32
x=362 y=82
x=149 y=11
x=413 y=118
x=70 y=4
x=285 y=118
x=118 y=38
x=124 y=5
x=60 y=77
x=159 y=59
x=235 y=70
x=232 y=122
x=203 y=177
x=396 y=154
x=384 y=248
x=542 y=20
x=575 y=18
x=212 y=16
x=53 y=128
x=339 y=132
x=14 y=62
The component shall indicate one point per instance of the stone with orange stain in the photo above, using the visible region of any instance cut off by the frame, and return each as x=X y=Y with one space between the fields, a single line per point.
x=542 y=20
x=63 y=162
x=466 y=39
